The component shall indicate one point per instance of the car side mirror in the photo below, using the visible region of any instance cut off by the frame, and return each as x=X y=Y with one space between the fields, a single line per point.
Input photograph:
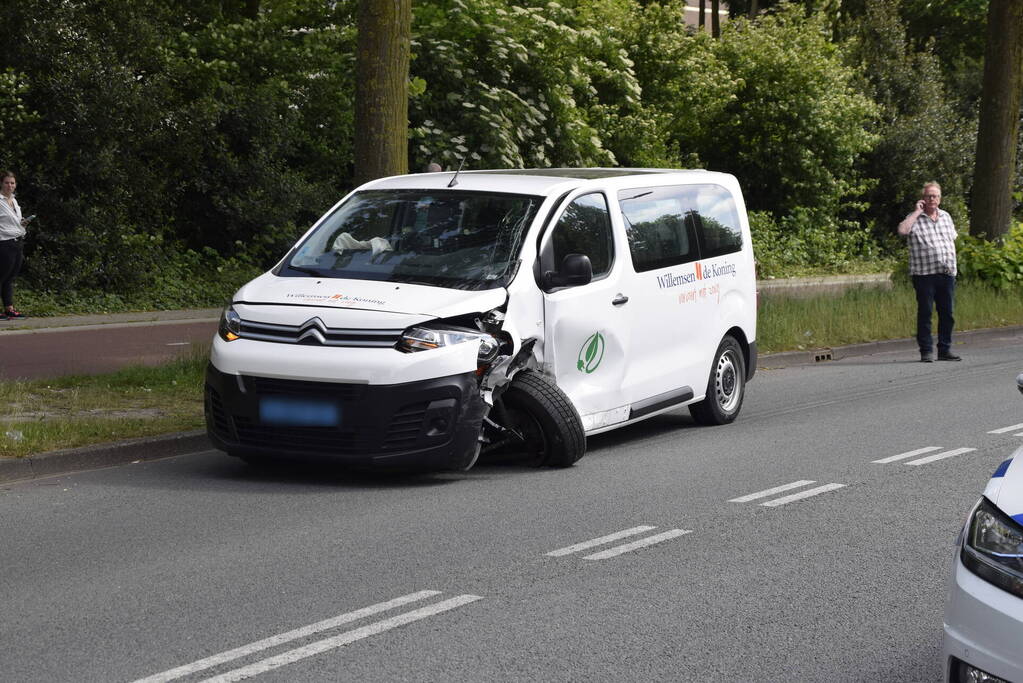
x=575 y=271
x=1019 y=382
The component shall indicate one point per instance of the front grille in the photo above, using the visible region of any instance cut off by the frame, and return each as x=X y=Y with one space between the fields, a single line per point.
x=264 y=386
x=315 y=332
x=329 y=439
x=405 y=426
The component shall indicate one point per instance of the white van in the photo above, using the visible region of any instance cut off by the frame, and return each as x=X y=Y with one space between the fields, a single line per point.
x=426 y=318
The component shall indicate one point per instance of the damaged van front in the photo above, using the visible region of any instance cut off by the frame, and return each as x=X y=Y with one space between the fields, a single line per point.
x=377 y=339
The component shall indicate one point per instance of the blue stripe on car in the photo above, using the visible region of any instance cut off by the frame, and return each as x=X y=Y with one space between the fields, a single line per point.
x=1000 y=472
x=1018 y=518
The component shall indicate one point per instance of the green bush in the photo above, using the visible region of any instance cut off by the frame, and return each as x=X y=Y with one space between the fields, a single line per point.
x=998 y=264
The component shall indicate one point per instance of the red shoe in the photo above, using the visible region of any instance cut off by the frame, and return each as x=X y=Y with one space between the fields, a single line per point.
x=10 y=314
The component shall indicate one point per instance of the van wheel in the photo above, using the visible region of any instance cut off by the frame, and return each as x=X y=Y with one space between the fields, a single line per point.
x=726 y=387
x=542 y=420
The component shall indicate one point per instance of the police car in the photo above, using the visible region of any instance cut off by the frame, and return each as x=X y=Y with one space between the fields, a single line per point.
x=428 y=318
x=983 y=629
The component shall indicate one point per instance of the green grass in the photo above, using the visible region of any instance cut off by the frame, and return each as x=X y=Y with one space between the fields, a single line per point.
x=870 y=314
x=44 y=415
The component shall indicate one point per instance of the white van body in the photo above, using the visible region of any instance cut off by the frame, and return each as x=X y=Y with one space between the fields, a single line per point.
x=426 y=317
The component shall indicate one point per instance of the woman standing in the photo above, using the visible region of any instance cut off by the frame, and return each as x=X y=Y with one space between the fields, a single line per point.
x=12 y=233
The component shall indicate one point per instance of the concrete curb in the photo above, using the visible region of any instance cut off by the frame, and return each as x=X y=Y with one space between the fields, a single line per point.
x=98 y=456
x=151 y=448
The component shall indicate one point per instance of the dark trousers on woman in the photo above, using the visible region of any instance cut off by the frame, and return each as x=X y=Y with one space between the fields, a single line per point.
x=934 y=291
x=11 y=258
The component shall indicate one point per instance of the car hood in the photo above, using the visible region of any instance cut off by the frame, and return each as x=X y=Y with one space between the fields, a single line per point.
x=369 y=296
x=1005 y=489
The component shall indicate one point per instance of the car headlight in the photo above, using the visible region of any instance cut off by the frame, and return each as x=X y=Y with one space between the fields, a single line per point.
x=230 y=327
x=993 y=548
x=420 y=338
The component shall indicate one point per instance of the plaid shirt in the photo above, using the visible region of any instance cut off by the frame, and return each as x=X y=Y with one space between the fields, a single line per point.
x=932 y=245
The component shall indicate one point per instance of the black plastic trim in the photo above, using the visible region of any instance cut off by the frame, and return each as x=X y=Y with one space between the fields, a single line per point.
x=660 y=402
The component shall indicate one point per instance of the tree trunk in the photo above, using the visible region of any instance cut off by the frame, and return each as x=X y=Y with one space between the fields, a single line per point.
x=753 y=8
x=703 y=14
x=381 y=88
x=991 y=206
x=715 y=18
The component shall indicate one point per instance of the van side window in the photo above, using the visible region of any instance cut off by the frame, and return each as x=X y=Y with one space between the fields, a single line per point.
x=660 y=223
x=585 y=228
x=719 y=221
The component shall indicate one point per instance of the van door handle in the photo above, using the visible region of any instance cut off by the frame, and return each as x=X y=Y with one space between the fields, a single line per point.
x=619 y=300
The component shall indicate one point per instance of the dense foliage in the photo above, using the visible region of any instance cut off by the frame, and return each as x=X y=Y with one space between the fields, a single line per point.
x=164 y=142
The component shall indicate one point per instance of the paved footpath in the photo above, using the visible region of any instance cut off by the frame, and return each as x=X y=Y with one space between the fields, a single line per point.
x=39 y=348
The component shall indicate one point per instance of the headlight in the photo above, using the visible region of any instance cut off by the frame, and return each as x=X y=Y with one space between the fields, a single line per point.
x=993 y=548
x=230 y=327
x=426 y=338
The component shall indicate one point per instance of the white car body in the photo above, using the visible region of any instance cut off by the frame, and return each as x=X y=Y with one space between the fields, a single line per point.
x=625 y=346
x=983 y=624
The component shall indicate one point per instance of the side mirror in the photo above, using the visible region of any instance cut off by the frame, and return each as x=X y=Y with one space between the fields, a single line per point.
x=1019 y=382
x=576 y=270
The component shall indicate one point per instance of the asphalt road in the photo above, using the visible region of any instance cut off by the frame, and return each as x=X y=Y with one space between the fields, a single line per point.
x=203 y=567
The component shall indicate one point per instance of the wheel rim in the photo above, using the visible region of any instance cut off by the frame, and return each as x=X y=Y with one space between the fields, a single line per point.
x=727 y=383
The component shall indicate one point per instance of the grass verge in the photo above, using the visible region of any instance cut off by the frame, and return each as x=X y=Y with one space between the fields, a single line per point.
x=871 y=314
x=45 y=415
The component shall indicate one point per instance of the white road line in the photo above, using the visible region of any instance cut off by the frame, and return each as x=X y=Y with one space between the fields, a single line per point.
x=940 y=456
x=910 y=454
x=1003 y=430
x=600 y=541
x=641 y=543
x=287 y=637
x=770 y=492
x=802 y=494
x=340 y=640
x=179 y=343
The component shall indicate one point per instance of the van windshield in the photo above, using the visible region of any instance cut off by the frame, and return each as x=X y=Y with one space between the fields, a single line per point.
x=461 y=240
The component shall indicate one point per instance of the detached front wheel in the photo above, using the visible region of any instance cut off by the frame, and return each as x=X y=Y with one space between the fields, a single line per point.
x=726 y=386
x=540 y=421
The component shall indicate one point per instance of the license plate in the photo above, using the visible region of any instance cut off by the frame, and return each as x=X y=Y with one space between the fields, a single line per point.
x=298 y=412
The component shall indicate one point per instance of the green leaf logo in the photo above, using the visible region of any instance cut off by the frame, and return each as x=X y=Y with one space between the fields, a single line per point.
x=591 y=353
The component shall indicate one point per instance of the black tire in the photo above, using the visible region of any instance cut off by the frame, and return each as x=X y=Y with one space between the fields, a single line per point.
x=726 y=387
x=537 y=410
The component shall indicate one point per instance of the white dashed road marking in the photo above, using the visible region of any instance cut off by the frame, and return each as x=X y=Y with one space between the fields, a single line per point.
x=620 y=549
x=930 y=458
x=337 y=641
x=600 y=541
x=306 y=631
x=636 y=545
x=787 y=487
x=910 y=454
x=802 y=494
x=940 y=456
x=771 y=492
x=1003 y=430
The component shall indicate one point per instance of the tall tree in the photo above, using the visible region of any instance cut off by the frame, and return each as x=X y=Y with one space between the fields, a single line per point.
x=381 y=88
x=715 y=18
x=999 y=120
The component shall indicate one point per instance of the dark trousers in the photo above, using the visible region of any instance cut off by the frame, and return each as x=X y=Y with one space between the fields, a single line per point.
x=934 y=291
x=11 y=258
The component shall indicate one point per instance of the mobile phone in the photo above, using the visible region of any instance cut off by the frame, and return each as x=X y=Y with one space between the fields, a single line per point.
x=29 y=219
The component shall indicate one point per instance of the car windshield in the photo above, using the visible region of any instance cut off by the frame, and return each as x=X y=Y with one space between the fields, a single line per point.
x=461 y=240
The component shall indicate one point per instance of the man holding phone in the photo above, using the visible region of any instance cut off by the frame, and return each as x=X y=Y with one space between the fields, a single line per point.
x=932 y=265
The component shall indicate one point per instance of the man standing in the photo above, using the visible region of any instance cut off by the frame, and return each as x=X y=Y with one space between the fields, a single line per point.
x=932 y=265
